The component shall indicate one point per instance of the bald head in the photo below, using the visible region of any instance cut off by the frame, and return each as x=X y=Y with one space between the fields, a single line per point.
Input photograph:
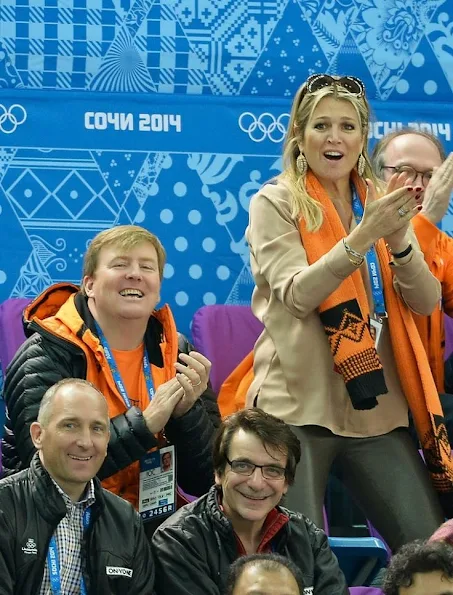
x=420 y=152
x=72 y=434
x=256 y=579
x=64 y=387
x=264 y=574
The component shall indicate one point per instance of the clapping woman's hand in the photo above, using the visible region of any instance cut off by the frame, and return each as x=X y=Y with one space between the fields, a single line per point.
x=389 y=216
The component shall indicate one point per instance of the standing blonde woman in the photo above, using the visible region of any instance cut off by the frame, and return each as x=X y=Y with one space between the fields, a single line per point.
x=338 y=273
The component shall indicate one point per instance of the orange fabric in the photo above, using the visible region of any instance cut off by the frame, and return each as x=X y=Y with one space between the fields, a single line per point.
x=410 y=357
x=234 y=389
x=65 y=323
x=130 y=366
x=350 y=340
x=437 y=248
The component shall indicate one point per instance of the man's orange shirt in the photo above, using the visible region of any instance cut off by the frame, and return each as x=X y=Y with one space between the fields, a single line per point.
x=130 y=366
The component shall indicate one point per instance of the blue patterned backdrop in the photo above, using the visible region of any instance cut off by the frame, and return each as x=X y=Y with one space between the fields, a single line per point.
x=170 y=114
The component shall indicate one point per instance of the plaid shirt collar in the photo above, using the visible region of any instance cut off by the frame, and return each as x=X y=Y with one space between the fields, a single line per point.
x=88 y=497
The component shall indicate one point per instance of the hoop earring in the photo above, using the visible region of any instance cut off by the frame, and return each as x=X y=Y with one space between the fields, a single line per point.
x=301 y=164
x=361 y=163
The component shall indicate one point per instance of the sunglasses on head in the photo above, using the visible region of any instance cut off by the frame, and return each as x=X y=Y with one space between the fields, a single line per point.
x=350 y=83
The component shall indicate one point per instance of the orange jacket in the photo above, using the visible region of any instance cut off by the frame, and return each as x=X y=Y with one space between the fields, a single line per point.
x=437 y=248
x=67 y=324
x=63 y=343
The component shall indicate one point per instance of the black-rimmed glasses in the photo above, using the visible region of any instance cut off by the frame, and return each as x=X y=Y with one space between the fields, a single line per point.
x=247 y=468
x=411 y=173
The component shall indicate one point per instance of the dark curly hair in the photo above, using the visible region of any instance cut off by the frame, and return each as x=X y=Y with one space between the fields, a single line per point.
x=417 y=557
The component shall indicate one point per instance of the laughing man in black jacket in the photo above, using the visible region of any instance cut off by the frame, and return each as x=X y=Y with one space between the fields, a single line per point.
x=57 y=525
x=255 y=458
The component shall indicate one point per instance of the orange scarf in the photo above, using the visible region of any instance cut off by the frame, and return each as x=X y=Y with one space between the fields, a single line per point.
x=345 y=313
x=410 y=356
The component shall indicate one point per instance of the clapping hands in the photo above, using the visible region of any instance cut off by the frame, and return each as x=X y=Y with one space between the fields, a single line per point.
x=438 y=192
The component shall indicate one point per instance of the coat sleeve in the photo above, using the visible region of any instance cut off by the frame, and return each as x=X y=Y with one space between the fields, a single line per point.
x=278 y=255
x=445 y=264
x=181 y=563
x=437 y=252
x=193 y=435
x=328 y=577
x=36 y=367
x=414 y=282
x=144 y=569
x=437 y=248
x=7 y=562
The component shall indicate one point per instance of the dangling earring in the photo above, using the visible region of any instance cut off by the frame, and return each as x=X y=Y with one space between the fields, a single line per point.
x=361 y=165
x=301 y=164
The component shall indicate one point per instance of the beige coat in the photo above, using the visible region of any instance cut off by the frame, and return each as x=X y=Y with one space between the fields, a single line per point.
x=293 y=365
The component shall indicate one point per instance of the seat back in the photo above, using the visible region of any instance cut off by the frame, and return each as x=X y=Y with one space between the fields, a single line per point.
x=225 y=334
x=360 y=558
x=448 y=323
x=365 y=591
x=11 y=338
x=11 y=330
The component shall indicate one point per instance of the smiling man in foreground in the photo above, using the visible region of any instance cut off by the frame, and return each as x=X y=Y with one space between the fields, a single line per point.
x=255 y=458
x=57 y=525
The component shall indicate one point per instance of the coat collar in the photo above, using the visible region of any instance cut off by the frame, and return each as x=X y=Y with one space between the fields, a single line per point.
x=49 y=502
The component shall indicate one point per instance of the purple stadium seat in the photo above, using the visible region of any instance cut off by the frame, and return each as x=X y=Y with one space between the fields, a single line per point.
x=225 y=334
x=375 y=533
x=11 y=330
x=448 y=322
x=214 y=327
x=11 y=337
x=365 y=591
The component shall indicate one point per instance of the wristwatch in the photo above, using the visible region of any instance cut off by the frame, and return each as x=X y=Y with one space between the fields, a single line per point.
x=402 y=254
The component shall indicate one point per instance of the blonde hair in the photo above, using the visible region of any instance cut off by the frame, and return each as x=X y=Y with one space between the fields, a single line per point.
x=126 y=237
x=304 y=104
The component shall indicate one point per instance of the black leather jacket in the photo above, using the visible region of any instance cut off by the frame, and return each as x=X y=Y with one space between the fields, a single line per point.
x=46 y=358
x=30 y=510
x=194 y=548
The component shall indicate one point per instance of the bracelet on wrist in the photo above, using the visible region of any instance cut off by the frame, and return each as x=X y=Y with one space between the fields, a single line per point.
x=402 y=254
x=355 y=257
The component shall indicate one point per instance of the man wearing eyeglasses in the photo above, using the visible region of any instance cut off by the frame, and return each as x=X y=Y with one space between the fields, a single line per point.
x=421 y=156
x=255 y=457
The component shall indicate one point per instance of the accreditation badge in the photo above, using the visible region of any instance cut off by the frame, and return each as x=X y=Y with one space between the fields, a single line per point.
x=376 y=329
x=157 y=490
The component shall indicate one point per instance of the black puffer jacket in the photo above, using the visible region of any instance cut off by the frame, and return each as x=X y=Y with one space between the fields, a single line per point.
x=194 y=548
x=46 y=358
x=30 y=510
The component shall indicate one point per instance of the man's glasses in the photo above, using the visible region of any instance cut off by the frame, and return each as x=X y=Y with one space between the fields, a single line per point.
x=411 y=173
x=246 y=468
x=352 y=84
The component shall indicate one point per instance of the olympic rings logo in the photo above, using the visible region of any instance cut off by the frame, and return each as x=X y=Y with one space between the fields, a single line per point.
x=265 y=126
x=11 y=118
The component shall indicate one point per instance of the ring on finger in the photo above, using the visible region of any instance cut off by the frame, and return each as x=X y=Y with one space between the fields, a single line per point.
x=402 y=211
x=195 y=385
